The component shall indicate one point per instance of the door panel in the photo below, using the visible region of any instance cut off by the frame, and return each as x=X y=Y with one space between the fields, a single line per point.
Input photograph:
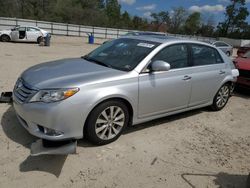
x=208 y=73
x=32 y=34
x=163 y=92
x=205 y=82
x=15 y=35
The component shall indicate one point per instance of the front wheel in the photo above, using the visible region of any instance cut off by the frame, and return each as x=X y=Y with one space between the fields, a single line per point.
x=39 y=40
x=221 y=97
x=106 y=122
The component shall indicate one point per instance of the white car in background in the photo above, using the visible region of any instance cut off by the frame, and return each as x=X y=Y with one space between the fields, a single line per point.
x=23 y=34
x=226 y=48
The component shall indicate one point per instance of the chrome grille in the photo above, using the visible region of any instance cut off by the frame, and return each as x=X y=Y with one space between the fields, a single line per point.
x=23 y=92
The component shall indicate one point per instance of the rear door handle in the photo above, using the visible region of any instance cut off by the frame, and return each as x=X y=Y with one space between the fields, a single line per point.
x=222 y=72
x=187 y=77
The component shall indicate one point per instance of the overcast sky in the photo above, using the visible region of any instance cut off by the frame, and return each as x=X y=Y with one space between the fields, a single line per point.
x=144 y=8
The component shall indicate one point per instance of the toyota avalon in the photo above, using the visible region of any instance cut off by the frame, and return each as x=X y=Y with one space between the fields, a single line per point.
x=124 y=82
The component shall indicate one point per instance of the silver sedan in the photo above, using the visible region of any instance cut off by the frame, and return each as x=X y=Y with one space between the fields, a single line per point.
x=226 y=48
x=124 y=82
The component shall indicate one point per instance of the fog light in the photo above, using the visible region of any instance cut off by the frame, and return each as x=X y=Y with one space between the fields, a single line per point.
x=49 y=132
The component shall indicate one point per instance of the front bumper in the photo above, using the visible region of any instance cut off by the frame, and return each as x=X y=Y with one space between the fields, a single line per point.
x=66 y=117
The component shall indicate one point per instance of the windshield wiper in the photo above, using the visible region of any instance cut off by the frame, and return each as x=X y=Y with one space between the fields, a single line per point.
x=95 y=61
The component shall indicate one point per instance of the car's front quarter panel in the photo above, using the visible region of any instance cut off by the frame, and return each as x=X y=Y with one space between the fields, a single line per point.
x=5 y=32
x=125 y=88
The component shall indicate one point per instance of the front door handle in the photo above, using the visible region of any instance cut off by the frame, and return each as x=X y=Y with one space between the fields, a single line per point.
x=222 y=72
x=187 y=77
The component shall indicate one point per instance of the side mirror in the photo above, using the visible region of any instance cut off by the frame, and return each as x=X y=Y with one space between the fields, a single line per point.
x=159 y=65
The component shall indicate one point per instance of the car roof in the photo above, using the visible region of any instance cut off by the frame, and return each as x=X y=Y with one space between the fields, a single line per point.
x=27 y=26
x=166 y=39
x=146 y=33
x=221 y=42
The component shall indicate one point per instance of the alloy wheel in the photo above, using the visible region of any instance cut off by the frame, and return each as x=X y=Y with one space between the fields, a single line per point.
x=110 y=122
x=222 y=96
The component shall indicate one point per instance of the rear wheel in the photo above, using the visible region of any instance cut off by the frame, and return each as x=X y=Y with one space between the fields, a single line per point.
x=221 y=97
x=5 y=38
x=106 y=122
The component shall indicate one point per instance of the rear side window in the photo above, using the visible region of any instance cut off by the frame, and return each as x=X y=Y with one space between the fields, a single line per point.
x=175 y=55
x=221 y=44
x=32 y=29
x=204 y=55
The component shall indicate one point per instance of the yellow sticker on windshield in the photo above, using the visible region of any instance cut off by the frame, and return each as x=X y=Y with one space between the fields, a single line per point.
x=146 y=45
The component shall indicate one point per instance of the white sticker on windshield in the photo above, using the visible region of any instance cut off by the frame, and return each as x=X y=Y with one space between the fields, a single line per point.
x=146 y=45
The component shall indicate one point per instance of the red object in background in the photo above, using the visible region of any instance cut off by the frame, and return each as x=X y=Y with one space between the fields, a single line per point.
x=243 y=65
x=242 y=50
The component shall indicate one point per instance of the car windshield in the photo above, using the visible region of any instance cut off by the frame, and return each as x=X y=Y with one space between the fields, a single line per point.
x=122 y=54
x=247 y=55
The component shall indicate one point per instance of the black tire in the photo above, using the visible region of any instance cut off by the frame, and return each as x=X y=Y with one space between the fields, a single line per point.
x=39 y=40
x=216 y=106
x=5 y=38
x=91 y=123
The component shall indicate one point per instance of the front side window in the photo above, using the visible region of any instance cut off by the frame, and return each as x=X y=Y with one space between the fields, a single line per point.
x=204 y=55
x=122 y=54
x=175 y=55
x=19 y=29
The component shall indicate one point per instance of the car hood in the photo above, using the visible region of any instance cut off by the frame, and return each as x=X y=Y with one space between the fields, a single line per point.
x=67 y=73
x=243 y=63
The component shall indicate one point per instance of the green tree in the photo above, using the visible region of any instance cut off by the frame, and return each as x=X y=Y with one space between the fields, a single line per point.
x=178 y=19
x=113 y=11
x=236 y=14
x=207 y=27
x=126 y=20
x=160 y=18
x=139 y=24
x=192 y=24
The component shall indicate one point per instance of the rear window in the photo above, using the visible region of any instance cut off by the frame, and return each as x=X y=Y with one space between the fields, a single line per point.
x=205 y=55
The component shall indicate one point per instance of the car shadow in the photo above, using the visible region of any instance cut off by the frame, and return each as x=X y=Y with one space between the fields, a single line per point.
x=221 y=179
x=242 y=92
x=13 y=130
x=156 y=122
x=45 y=163
x=167 y=119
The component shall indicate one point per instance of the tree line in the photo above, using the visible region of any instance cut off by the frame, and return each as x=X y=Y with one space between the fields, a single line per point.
x=108 y=13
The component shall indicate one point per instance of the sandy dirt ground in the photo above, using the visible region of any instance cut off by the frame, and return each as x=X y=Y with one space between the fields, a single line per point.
x=198 y=149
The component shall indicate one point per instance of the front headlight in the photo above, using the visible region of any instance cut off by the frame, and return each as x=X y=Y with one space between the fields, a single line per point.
x=54 y=95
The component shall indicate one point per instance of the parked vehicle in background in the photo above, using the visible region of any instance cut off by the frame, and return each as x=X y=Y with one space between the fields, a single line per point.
x=142 y=33
x=243 y=65
x=243 y=50
x=23 y=34
x=226 y=48
x=125 y=81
